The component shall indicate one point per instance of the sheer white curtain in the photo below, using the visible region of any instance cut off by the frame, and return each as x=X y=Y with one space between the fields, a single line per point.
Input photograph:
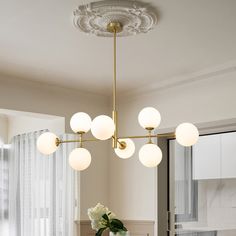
x=4 y=184
x=42 y=189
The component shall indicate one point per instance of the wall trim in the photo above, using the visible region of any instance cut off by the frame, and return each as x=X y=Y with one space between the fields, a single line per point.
x=139 y=222
x=136 y=227
x=175 y=81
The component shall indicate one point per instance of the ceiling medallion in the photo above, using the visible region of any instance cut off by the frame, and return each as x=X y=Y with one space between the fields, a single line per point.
x=135 y=17
x=109 y=18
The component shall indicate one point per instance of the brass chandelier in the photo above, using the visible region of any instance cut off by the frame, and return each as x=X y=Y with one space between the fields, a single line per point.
x=106 y=128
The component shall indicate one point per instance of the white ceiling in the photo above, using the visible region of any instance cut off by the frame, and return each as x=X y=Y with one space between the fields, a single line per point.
x=39 y=42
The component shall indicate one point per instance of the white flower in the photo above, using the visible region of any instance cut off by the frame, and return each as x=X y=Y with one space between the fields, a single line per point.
x=97 y=212
x=95 y=215
x=96 y=224
x=111 y=215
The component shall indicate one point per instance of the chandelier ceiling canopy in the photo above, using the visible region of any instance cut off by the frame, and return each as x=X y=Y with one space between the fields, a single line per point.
x=134 y=16
x=116 y=19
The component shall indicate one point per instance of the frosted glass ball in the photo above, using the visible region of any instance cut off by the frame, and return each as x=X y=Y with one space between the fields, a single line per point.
x=128 y=151
x=103 y=127
x=80 y=122
x=150 y=155
x=149 y=117
x=46 y=143
x=80 y=159
x=186 y=134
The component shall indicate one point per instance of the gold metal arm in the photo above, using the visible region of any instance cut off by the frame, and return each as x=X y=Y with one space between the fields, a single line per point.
x=58 y=141
x=167 y=135
x=76 y=141
x=122 y=144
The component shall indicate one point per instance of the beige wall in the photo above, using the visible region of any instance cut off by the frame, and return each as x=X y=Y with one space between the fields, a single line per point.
x=3 y=129
x=22 y=95
x=132 y=187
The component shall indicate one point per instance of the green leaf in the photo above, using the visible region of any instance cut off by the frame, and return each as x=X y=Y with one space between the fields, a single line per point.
x=117 y=223
x=117 y=226
x=100 y=231
x=105 y=217
x=114 y=229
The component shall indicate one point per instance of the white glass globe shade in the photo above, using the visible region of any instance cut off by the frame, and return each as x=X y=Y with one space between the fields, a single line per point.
x=150 y=155
x=46 y=143
x=80 y=159
x=102 y=127
x=128 y=151
x=80 y=122
x=186 y=134
x=149 y=117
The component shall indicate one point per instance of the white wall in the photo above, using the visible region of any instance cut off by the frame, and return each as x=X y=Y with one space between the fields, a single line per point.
x=132 y=187
x=3 y=129
x=22 y=95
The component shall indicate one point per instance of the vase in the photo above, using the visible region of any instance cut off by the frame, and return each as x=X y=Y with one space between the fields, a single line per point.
x=123 y=233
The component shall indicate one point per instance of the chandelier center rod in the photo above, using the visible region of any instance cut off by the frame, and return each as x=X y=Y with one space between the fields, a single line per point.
x=114 y=27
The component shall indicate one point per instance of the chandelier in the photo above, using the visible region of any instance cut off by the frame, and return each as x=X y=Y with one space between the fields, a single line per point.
x=112 y=19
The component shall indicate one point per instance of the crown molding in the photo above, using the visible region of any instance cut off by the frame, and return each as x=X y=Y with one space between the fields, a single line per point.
x=181 y=80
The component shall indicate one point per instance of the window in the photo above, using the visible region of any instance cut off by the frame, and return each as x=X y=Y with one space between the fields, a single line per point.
x=186 y=188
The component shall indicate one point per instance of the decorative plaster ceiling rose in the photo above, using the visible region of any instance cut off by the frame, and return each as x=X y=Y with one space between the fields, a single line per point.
x=134 y=16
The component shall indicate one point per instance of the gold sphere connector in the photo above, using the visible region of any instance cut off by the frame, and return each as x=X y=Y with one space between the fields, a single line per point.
x=81 y=132
x=114 y=27
x=58 y=142
x=149 y=128
x=122 y=145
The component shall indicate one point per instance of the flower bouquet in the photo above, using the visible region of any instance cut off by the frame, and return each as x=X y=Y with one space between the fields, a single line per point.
x=103 y=219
